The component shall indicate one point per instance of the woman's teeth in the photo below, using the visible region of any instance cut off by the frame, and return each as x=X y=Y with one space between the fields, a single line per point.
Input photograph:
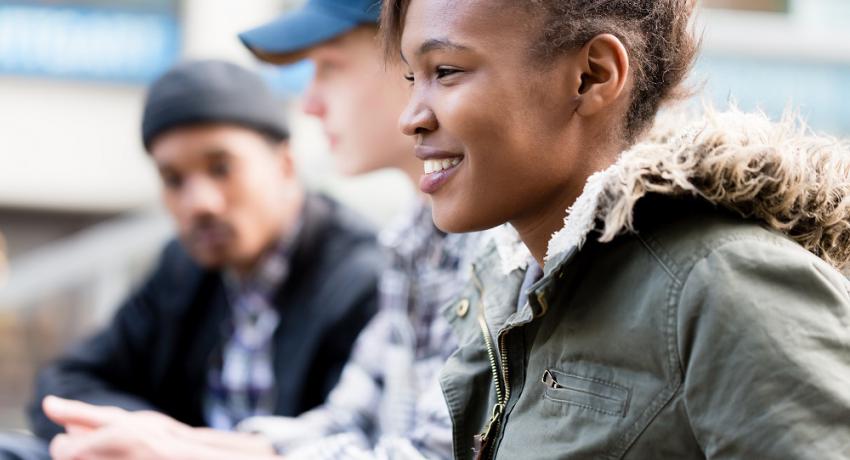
x=432 y=166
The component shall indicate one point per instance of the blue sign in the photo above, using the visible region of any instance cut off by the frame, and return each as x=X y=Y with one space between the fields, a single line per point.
x=87 y=42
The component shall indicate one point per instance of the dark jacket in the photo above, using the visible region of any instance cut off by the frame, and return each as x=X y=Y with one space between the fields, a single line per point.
x=156 y=353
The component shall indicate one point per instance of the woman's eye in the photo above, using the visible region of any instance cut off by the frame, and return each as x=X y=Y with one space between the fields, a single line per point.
x=439 y=73
x=443 y=72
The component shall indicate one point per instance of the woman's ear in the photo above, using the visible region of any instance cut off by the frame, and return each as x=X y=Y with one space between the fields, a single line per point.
x=603 y=64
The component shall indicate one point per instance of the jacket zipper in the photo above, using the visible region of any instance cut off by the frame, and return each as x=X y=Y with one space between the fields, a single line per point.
x=500 y=381
x=485 y=438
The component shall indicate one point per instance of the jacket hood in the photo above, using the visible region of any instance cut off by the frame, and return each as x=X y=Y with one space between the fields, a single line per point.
x=781 y=173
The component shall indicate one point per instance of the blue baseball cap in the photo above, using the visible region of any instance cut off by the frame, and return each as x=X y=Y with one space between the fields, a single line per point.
x=284 y=39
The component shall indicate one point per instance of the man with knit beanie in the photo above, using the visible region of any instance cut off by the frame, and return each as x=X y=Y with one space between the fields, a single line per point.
x=252 y=311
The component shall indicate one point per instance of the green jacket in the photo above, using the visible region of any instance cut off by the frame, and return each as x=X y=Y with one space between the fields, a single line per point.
x=690 y=326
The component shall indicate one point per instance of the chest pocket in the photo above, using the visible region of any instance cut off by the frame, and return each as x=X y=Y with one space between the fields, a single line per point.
x=576 y=409
x=585 y=392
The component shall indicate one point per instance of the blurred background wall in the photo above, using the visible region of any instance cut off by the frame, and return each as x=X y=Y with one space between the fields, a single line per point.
x=79 y=214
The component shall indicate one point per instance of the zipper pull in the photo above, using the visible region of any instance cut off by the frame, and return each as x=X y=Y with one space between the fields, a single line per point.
x=494 y=420
x=482 y=440
x=549 y=379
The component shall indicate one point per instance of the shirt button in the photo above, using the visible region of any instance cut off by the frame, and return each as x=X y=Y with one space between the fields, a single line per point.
x=462 y=308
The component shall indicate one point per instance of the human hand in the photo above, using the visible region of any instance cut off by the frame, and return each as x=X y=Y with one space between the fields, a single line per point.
x=80 y=417
x=114 y=442
x=245 y=443
x=103 y=432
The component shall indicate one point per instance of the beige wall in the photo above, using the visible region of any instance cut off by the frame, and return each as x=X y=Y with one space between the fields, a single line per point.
x=71 y=145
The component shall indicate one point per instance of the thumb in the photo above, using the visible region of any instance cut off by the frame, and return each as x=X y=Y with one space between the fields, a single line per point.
x=67 y=412
x=78 y=429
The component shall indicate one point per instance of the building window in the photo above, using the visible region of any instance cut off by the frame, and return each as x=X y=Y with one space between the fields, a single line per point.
x=772 y=6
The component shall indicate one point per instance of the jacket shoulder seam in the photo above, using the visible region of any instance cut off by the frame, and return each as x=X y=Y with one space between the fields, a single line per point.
x=660 y=254
x=698 y=257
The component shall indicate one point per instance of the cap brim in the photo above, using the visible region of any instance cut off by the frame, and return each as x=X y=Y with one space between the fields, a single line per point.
x=286 y=39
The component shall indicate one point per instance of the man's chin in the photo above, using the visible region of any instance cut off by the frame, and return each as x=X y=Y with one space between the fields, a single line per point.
x=211 y=264
x=211 y=260
x=352 y=168
x=348 y=163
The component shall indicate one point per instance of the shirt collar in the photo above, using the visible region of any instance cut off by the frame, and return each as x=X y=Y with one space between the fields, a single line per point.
x=272 y=269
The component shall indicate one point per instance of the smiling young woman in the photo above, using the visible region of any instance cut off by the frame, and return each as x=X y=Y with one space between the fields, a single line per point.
x=690 y=305
x=525 y=105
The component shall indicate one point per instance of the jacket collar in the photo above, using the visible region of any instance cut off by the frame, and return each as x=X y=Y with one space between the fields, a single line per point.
x=315 y=219
x=781 y=174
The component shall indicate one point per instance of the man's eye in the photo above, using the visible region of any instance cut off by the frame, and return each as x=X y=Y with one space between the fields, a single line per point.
x=326 y=68
x=220 y=169
x=172 y=181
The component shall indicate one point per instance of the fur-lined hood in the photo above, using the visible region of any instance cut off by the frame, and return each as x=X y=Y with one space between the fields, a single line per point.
x=780 y=173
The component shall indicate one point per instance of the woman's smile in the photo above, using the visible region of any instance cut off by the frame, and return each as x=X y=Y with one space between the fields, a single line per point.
x=438 y=167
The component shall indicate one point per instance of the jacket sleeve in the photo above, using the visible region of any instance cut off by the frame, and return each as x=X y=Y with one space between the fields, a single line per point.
x=104 y=369
x=341 y=338
x=345 y=426
x=764 y=336
x=430 y=439
x=351 y=407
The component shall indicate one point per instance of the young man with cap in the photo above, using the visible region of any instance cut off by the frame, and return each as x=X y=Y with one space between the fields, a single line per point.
x=255 y=309
x=388 y=403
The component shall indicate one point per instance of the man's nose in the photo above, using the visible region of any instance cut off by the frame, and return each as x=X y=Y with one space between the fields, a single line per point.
x=202 y=196
x=313 y=101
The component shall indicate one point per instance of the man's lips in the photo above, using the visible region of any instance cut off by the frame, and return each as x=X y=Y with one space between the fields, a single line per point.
x=333 y=139
x=211 y=235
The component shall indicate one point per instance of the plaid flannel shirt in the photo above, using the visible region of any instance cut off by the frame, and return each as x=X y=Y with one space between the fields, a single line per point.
x=388 y=403
x=242 y=385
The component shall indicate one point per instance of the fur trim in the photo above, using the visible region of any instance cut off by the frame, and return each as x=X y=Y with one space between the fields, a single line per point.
x=780 y=173
x=513 y=254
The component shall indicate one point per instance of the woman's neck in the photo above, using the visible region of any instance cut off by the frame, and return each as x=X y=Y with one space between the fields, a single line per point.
x=537 y=226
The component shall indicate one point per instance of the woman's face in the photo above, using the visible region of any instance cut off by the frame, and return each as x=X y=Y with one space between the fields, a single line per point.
x=493 y=126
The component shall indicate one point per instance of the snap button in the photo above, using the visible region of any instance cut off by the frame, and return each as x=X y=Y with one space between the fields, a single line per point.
x=462 y=308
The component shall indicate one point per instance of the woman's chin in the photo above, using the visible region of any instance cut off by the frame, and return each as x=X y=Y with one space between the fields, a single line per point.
x=456 y=221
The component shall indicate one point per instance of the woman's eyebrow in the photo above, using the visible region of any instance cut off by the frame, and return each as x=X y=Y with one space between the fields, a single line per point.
x=437 y=44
